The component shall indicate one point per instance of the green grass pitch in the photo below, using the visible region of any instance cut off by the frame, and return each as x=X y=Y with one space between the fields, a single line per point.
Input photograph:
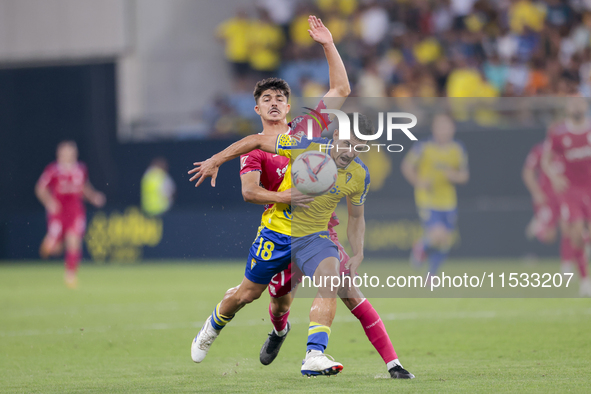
x=129 y=328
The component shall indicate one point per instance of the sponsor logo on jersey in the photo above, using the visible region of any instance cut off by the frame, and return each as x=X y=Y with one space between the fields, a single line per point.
x=243 y=162
x=580 y=153
x=281 y=172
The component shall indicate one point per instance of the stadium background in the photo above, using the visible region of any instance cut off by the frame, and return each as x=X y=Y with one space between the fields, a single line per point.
x=132 y=80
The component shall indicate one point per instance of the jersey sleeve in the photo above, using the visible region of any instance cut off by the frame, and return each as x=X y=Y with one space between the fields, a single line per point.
x=84 y=170
x=250 y=162
x=532 y=161
x=46 y=177
x=290 y=146
x=360 y=194
x=320 y=122
x=463 y=165
x=415 y=153
x=552 y=144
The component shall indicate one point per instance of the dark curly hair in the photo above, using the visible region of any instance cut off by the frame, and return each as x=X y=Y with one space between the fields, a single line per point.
x=273 y=84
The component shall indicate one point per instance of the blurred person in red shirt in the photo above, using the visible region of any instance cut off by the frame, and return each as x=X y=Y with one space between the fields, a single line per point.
x=61 y=189
x=570 y=144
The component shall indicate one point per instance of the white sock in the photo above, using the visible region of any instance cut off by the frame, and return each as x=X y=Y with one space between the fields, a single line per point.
x=392 y=364
x=281 y=333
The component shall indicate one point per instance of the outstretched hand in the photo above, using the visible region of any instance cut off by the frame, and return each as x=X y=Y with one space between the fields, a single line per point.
x=318 y=31
x=204 y=169
x=299 y=199
x=353 y=264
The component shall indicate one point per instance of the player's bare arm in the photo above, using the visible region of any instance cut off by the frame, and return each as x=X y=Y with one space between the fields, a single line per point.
x=51 y=205
x=210 y=167
x=530 y=180
x=355 y=234
x=93 y=196
x=339 y=81
x=558 y=181
x=458 y=176
x=410 y=173
x=254 y=193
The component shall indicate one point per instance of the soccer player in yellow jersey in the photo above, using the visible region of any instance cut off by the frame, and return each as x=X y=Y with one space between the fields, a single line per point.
x=434 y=168
x=301 y=234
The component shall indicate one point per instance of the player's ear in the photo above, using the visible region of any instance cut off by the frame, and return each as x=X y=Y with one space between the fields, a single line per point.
x=257 y=109
x=335 y=134
x=288 y=108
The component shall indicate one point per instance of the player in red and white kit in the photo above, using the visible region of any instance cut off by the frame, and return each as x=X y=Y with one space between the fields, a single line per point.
x=61 y=189
x=571 y=145
x=262 y=173
x=546 y=203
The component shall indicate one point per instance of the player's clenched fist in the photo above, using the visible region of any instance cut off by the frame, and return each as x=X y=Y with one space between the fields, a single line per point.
x=204 y=169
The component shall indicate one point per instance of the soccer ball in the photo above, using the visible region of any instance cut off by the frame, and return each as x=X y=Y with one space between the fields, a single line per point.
x=314 y=173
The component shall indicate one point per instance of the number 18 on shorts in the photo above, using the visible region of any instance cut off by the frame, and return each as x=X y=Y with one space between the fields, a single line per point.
x=269 y=254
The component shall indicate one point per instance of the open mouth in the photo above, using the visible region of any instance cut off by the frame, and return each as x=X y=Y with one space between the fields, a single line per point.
x=275 y=111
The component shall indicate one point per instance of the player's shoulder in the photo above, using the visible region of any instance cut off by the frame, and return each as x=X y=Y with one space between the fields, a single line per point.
x=360 y=170
x=424 y=145
x=459 y=145
x=419 y=146
x=81 y=166
x=538 y=148
x=256 y=153
x=300 y=140
x=51 y=168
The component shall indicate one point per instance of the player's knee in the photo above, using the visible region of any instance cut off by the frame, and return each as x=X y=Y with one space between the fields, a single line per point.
x=231 y=292
x=280 y=306
x=549 y=236
x=328 y=267
x=576 y=234
x=73 y=243
x=248 y=296
x=350 y=303
x=438 y=237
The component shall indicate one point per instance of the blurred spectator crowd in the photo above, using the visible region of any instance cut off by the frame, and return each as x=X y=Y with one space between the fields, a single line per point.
x=408 y=48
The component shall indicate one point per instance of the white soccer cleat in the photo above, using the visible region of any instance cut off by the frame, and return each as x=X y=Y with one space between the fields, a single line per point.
x=203 y=341
x=318 y=363
x=585 y=288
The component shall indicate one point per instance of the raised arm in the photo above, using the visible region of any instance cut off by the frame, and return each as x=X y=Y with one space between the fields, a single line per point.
x=339 y=81
x=355 y=234
x=210 y=167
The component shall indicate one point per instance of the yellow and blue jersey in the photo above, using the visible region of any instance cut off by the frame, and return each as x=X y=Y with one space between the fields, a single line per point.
x=352 y=181
x=431 y=161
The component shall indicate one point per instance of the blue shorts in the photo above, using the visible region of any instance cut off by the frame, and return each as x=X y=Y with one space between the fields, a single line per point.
x=309 y=251
x=269 y=254
x=431 y=217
